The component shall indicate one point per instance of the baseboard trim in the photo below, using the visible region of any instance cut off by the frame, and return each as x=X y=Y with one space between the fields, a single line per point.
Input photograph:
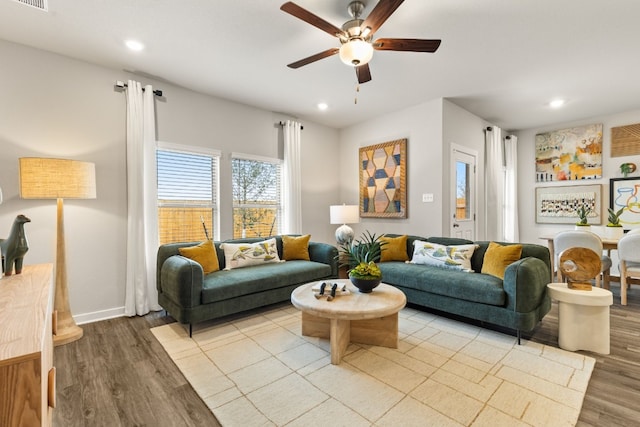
x=96 y=316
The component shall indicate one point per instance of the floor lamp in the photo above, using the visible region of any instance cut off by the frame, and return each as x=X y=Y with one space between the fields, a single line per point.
x=46 y=178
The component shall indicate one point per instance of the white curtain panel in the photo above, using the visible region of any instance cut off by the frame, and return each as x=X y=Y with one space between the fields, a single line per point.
x=494 y=184
x=511 y=231
x=142 y=230
x=292 y=185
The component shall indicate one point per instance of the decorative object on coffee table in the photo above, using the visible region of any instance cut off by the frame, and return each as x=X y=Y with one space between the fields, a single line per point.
x=47 y=178
x=14 y=247
x=361 y=257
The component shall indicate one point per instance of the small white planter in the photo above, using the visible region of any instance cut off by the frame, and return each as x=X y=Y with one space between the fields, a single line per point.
x=614 y=232
x=583 y=227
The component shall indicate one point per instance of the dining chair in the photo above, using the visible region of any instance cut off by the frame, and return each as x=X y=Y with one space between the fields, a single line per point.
x=583 y=239
x=633 y=231
x=629 y=256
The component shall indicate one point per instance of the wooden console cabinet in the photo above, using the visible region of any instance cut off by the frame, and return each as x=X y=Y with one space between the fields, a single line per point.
x=27 y=375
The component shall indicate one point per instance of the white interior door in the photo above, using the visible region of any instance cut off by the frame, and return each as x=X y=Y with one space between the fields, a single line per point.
x=463 y=193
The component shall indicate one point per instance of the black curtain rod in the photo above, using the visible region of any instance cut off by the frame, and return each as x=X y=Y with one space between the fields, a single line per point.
x=123 y=85
x=282 y=124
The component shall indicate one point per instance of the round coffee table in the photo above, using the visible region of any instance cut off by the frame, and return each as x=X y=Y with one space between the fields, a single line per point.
x=355 y=317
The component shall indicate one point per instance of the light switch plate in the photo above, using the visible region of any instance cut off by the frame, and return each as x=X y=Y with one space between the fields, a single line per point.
x=427 y=197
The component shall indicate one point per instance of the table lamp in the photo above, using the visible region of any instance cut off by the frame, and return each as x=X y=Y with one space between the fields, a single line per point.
x=47 y=178
x=344 y=214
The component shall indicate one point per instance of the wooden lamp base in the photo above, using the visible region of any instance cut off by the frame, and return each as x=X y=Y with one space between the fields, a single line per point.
x=66 y=330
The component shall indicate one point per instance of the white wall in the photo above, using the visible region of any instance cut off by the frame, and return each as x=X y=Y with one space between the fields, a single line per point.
x=430 y=128
x=465 y=129
x=529 y=230
x=54 y=106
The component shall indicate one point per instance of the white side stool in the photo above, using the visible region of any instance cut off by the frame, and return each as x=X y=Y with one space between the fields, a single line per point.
x=583 y=318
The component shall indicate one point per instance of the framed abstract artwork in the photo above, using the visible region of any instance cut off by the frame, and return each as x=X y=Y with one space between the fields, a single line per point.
x=383 y=180
x=569 y=154
x=625 y=193
x=558 y=205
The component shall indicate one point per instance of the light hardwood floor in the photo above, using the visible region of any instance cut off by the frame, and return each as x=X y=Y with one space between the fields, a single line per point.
x=119 y=375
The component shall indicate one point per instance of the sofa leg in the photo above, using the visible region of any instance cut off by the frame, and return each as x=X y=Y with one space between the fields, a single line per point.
x=190 y=330
x=518 y=332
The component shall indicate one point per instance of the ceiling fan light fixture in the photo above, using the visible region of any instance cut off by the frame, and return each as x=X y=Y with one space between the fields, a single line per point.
x=356 y=52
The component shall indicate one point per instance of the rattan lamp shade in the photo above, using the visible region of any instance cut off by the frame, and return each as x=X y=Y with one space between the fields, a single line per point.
x=46 y=178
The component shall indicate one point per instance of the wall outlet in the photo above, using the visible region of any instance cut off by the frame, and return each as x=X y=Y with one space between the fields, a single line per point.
x=427 y=197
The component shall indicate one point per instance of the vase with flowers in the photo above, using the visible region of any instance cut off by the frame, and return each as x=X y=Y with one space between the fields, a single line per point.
x=361 y=257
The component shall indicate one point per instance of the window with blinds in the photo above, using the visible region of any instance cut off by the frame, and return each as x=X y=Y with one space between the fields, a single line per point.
x=187 y=194
x=257 y=206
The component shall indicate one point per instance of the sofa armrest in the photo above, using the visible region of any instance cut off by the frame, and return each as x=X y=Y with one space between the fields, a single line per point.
x=525 y=282
x=181 y=280
x=326 y=254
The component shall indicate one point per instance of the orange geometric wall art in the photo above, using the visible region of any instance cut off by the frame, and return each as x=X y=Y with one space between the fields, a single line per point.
x=383 y=183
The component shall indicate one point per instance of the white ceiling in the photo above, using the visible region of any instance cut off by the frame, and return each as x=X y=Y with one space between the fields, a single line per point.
x=503 y=60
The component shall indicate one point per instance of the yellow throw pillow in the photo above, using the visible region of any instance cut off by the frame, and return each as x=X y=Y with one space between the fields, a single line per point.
x=395 y=249
x=295 y=247
x=498 y=257
x=204 y=254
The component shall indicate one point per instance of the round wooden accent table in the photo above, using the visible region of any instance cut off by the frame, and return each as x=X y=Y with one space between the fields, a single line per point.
x=583 y=318
x=356 y=317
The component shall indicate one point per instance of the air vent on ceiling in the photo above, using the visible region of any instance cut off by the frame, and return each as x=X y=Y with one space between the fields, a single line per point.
x=38 y=4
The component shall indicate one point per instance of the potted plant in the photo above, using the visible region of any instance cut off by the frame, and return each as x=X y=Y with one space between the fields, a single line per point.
x=361 y=257
x=627 y=168
x=614 y=228
x=583 y=213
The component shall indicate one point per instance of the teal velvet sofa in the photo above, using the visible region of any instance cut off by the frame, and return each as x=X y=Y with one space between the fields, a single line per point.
x=518 y=302
x=190 y=296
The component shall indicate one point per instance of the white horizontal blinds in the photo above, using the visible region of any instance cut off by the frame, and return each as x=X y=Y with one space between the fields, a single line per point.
x=187 y=194
x=257 y=198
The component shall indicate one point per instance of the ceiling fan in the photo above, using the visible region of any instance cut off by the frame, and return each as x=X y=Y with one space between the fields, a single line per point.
x=356 y=36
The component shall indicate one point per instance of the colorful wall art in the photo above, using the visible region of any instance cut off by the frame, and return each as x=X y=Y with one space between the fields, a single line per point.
x=569 y=154
x=383 y=183
x=625 y=193
x=559 y=205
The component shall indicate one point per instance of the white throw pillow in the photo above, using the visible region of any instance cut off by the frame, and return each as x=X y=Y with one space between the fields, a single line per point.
x=454 y=257
x=238 y=255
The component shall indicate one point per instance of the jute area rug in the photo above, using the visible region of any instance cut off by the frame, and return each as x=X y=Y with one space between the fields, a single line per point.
x=259 y=370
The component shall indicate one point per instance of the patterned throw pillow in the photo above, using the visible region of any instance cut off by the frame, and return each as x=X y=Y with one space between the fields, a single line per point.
x=238 y=255
x=451 y=257
x=498 y=257
x=204 y=254
x=295 y=247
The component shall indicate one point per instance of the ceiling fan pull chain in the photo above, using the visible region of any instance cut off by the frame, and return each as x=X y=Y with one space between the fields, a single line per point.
x=355 y=101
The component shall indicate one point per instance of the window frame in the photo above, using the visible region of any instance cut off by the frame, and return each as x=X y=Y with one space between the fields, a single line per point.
x=215 y=155
x=279 y=205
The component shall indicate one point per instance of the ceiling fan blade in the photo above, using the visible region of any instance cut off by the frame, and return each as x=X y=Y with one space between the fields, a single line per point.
x=380 y=14
x=308 y=17
x=407 y=45
x=314 y=58
x=363 y=73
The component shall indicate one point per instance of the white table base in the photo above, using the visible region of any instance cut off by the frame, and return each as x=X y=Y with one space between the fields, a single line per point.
x=583 y=318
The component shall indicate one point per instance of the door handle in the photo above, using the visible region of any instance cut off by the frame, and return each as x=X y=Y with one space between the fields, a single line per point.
x=456 y=225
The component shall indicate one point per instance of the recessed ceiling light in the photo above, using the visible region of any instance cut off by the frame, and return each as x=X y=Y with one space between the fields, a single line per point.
x=557 y=103
x=134 y=45
x=322 y=106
